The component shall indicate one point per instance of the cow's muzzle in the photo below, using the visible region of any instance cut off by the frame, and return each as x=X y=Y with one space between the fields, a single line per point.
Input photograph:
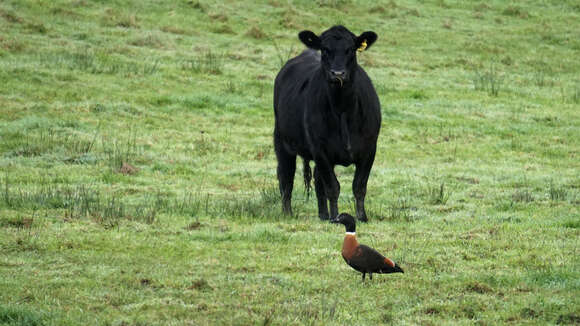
x=338 y=76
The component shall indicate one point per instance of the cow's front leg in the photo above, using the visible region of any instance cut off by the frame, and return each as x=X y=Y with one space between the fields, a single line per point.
x=331 y=186
x=320 y=195
x=359 y=186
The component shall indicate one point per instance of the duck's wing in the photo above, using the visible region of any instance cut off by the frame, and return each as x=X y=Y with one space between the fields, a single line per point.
x=367 y=259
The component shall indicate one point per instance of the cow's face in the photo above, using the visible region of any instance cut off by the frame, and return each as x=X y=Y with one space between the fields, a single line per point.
x=338 y=48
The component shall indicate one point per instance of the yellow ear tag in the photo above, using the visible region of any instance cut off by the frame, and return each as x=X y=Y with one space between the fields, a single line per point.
x=363 y=46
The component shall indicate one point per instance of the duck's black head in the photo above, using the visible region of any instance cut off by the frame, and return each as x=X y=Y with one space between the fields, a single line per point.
x=347 y=220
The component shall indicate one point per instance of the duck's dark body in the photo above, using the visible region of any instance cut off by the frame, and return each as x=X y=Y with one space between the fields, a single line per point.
x=360 y=257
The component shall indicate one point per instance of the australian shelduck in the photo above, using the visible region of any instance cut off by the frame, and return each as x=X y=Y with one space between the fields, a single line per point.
x=360 y=257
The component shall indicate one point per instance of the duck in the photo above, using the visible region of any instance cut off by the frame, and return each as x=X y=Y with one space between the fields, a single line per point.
x=360 y=257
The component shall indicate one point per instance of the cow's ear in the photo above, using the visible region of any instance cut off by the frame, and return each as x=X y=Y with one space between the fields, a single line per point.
x=365 y=40
x=309 y=39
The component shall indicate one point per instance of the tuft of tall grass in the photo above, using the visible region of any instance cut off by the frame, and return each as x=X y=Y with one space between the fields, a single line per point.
x=223 y=29
x=282 y=55
x=204 y=145
x=118 y=154
x=401 y=210
x=324 y=312
x=522 y=195
x=10 y=16
x=152 y=41
x=576 y=94
x=243 y=207
x=83 y=201
x=19 y=315
x=263 y=204
x=542 y=75
x=557 y=193
x=113 y=18
x=11 y=44
x=256 y=32
x=490 y=81
x=78 y=202
x=437 y=194
x=20 y=222
x=516 y=11
x=74 y=149
x=206 y=62
x=231 y=87
x=196 y=5
x=88 y=61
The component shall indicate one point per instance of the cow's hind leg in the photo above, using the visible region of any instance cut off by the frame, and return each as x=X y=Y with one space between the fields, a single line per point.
x=320 y=195
x=286 y=169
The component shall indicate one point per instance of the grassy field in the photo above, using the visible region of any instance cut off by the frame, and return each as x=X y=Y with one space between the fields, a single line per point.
x=138 y=183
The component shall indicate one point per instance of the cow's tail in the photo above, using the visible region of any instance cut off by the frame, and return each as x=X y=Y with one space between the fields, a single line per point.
x=307 y=177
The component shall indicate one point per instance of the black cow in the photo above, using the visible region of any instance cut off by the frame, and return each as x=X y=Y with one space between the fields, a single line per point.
x=326 y=109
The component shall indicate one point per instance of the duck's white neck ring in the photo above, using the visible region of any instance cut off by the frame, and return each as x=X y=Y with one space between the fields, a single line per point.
x=350 y=233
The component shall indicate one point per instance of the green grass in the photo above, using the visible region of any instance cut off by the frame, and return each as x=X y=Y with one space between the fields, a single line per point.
x=138 y=182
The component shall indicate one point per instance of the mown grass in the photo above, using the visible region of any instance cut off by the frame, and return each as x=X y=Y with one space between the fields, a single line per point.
x=138 y=182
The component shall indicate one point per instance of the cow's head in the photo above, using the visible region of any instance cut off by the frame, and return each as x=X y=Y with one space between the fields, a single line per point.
x=338 y=48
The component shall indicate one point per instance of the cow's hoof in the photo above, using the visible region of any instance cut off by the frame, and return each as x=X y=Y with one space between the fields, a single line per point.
x=363 y=219
x=324 y=217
